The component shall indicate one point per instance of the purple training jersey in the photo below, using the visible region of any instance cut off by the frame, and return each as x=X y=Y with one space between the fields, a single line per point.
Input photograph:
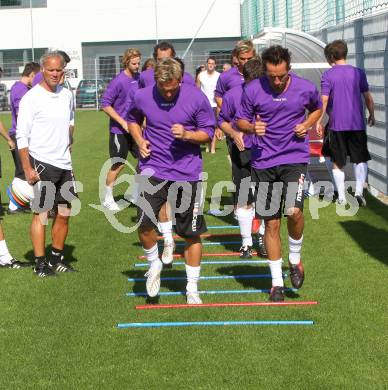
x=227 y=80
x=147 y=78
x=188 y=79
x=119 y=95
x=281 y=112
x=18 y=90
x=172 y=159
x=344 y=84
x=37 y=79
x=230 y=104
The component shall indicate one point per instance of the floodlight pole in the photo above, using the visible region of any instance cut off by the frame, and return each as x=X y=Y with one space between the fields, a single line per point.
x=96 y=83
x=199 y=29
x=32 y=33
x=156 y=22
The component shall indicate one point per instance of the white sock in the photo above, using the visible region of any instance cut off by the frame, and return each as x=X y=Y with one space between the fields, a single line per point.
x=166 y=230
x=329 y=166
x=339 y=179
x=12 y=207
x=5 y=256
x=309 y=184
x=109 y=194
x=244 y=218
x=360 y=172
x=135 y=192
x=262 y=227
x=192 y=274
x=276 y=272
x=295 y=247
x=152 y=256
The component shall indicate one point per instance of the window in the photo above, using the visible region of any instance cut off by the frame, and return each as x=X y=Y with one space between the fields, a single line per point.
x=222 y=56
x=12 y=60
x=23 y=3
x=107 y=67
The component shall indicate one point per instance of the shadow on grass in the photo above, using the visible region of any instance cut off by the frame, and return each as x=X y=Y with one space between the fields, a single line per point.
x=262 y=283
x=4 y=208
x=67 y=252
x=225 y=244
x=376 y=206
x=140 y=286
x=225 y=201
x=370 y=239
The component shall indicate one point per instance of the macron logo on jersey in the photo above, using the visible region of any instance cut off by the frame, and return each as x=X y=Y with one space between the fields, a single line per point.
x=279 y=99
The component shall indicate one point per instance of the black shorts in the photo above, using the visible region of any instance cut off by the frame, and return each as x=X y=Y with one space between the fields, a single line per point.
x=278 y=189
x=339 y=144
x=186 y=201
x=56 y=187
x=241 y=174
x=121 y=144
x=19 y=172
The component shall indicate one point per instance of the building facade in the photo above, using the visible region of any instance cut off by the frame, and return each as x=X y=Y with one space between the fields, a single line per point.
x=95 y=33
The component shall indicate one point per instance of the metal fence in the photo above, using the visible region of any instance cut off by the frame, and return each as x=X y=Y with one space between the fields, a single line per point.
x=97 y=73
x=367 y=40
x=304 y=15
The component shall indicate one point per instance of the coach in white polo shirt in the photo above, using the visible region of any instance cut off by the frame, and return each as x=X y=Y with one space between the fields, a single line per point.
x=42 y=134
x=207 y=81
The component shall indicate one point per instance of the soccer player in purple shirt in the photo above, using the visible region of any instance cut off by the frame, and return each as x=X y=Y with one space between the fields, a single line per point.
x=147 y=78
x=116 y=103
x=186 y=78
x=342 y=88
x=243 y=52
x=273 y=108
x=178 y=120
x=18 y=90
x=239 y=145
x=161 y=50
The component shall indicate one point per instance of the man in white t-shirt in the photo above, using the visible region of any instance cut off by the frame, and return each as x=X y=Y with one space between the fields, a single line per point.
x=42 y=134
x=207 y=81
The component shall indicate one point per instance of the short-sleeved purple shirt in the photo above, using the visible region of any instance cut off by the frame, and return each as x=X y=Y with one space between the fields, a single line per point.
x=344 y=84
x=119 y=95
x=230 y=104
x=188 y=79
x=282 y=112
x=37 y=79
x=172 y=159
x=18 y=90
x=147 y=78
x=227 y=80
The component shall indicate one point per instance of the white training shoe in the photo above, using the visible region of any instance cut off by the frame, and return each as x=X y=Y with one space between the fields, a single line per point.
x=193 y=298
x=153 y=279
x=111 y=205
x=342 y=202
x=168 y=252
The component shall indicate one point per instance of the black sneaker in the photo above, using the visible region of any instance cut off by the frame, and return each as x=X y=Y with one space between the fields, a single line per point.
x=361 y=200
x=261 y=251
x=276 y=294
x=15 y=212
x=296 y=274
x=335 y=196
x=43 y=270
x=51 y=213
x=246 y=252
x=15 y=264
x=62 y=267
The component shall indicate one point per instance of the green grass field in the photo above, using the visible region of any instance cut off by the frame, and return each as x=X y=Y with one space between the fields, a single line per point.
x=62 y=333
